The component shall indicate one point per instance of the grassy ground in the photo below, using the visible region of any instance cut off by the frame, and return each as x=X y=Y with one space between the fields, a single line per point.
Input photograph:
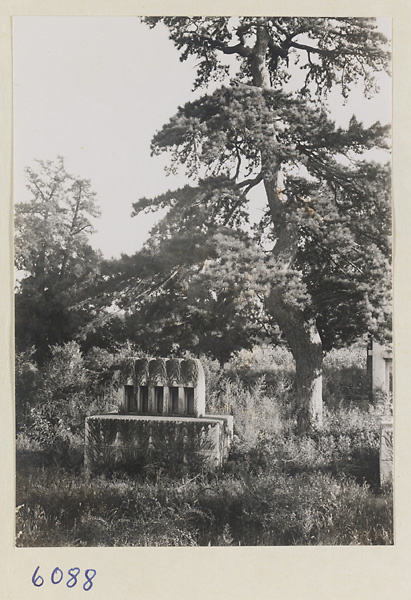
x=59 y=509
x=62 y=509
x=276 y=488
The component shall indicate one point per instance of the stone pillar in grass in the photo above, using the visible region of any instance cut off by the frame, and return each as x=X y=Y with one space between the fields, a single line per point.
x=379 y=370
x=386 y=451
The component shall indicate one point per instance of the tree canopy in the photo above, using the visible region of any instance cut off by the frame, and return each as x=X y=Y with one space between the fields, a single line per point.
x=53 y=255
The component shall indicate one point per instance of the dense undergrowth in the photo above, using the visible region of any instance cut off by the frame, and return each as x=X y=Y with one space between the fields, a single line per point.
x=277 y=488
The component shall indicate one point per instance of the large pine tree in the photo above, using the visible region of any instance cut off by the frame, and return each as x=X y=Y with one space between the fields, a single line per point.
x=323 y=264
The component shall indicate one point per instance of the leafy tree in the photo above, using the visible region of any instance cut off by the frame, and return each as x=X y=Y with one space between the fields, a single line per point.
x=53 y=254
x=319 y=255
x=181 y=295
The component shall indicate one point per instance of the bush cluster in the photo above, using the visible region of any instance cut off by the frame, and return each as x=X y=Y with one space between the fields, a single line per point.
x=52 y=402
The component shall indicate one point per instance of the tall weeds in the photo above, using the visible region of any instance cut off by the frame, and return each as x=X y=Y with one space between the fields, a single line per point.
x=277 y=488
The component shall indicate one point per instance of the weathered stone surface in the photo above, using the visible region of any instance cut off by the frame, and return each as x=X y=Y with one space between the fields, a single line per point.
x=386 y=451
x=150 y=387
x=379 y=367
x=112 y=440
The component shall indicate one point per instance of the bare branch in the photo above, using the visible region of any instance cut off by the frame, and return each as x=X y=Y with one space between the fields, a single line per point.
x=250 y=183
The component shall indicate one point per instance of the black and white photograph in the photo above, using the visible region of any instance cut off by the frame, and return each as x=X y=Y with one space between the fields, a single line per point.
x=203 y=282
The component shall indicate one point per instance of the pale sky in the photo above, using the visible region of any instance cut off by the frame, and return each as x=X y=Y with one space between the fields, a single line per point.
x=95 y=90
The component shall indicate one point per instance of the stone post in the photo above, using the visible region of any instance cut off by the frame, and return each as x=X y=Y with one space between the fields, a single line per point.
x=386 y=451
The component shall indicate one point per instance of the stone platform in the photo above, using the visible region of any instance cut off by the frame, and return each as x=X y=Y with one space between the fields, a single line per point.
x=117 y=440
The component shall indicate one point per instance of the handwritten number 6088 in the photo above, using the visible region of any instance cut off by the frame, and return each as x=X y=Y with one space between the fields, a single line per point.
x=58 y=575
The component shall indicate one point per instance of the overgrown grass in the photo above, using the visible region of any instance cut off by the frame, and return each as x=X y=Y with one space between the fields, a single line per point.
x=280 y=490
x=277 y=488
x=277 y=508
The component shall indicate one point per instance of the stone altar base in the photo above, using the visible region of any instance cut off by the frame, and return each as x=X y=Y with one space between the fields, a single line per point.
x=165 y=444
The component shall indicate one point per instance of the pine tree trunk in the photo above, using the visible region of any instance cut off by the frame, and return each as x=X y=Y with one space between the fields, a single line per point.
x=305 y=344
x=301 y=333
x=308 y=362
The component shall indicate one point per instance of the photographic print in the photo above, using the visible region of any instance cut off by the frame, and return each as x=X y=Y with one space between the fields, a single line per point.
x=203 y=286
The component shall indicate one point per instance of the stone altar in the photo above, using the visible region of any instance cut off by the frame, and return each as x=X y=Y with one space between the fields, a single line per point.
x=161 y=417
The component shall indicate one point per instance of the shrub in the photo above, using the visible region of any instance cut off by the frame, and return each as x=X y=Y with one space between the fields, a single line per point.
x=59 y=403
x=27 y=379
x=345 y=379
x=257 y=407
x=347 y=445
x=275 y=364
